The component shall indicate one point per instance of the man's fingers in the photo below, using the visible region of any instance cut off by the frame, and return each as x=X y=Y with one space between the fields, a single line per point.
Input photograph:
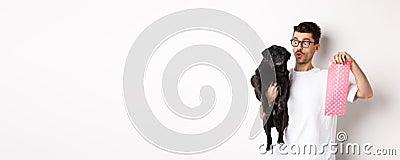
x=273 y=90
x=272 y=86
x=337 y=58
x=342 y=58
x=275 y=94
x=334 y=59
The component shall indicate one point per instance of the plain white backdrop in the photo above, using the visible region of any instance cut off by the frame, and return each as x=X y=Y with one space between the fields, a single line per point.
x=62 y=63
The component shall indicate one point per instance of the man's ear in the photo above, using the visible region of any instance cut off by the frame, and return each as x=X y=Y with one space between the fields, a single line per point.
x=317 y=47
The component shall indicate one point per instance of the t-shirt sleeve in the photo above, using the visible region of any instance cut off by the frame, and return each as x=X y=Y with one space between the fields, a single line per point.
x=351 y=95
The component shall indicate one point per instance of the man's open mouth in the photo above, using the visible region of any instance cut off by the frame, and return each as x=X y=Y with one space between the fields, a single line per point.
x=299 y=54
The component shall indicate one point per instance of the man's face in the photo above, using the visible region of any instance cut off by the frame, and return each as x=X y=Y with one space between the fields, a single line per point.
x=304 y=55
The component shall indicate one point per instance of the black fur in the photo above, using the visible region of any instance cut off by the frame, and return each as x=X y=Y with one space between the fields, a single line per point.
x=278 y=117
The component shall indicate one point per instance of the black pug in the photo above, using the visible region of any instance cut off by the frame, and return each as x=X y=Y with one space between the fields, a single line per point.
x=280 y=117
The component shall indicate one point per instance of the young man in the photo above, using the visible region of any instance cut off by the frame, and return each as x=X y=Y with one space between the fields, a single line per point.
x=309 y=129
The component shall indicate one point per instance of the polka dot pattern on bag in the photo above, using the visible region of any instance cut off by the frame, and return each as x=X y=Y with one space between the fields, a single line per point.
x=337 y=88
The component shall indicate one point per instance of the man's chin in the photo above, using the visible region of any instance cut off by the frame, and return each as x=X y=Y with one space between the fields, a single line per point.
x=300 y=62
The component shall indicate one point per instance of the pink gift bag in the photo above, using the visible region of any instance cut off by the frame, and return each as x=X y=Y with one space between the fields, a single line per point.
x=337 y=88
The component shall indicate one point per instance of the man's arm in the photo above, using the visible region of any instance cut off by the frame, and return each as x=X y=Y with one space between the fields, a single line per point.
x=364 y=88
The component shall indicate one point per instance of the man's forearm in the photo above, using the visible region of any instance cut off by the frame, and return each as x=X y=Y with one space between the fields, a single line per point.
x=364 y=88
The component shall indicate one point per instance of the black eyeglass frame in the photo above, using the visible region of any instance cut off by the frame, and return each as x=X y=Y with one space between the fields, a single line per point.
x=301 y=42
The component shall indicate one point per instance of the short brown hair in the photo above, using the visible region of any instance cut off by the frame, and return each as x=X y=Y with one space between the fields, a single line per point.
x=309 y=27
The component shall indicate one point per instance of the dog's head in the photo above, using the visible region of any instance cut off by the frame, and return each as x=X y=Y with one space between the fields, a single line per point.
x=279 y=55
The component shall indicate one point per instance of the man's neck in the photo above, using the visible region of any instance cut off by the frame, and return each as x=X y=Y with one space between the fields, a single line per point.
x=303 y=67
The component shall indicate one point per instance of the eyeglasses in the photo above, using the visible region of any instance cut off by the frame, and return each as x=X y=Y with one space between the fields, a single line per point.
x=304 y=44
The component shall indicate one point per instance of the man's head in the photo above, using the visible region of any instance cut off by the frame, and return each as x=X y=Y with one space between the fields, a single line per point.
x=305 y=41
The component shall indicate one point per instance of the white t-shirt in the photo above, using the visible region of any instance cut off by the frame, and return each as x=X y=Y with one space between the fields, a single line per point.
x=308 y=126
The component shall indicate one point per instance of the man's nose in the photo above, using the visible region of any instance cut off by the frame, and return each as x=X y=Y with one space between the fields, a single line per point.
x=300 y=46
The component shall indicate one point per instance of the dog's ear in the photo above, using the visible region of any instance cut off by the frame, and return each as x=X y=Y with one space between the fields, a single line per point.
x=287 y=54
x=273 y=49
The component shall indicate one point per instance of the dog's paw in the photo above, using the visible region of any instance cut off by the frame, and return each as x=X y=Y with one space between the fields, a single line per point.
x=268 y=147
x=280 y=141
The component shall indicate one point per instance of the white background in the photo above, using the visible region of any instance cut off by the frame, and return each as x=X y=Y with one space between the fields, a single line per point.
x=61 y=70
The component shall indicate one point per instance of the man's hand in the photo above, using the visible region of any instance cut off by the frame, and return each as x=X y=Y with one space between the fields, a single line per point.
x=341 y=57
x=272 y=93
